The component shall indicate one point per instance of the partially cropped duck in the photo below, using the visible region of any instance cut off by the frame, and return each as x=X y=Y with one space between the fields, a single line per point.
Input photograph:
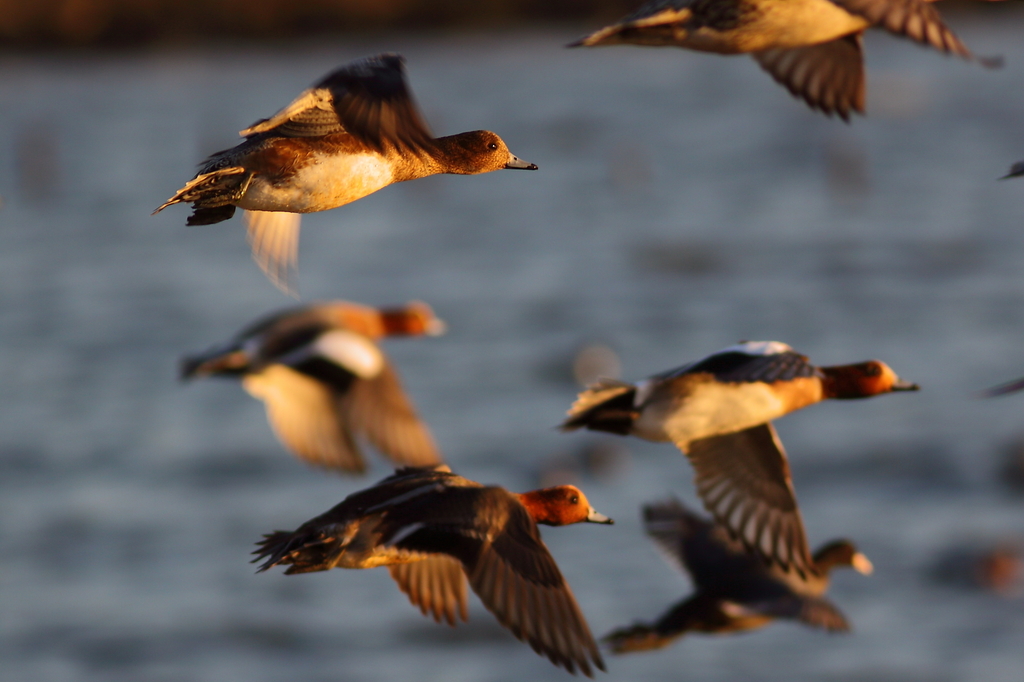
x=433 y=530
x=733 y=590
x=812 y=47
x=1016 y=171
x=353 y=133
x=718 y=411
x=326 y=383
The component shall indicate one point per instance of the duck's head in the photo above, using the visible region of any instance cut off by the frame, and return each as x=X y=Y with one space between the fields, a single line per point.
x=479 y=151
x=863 y=380
x=414 y=319
x=842 y=553
x=561 y=506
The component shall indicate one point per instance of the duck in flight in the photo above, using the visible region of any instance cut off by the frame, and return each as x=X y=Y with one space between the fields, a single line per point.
x=356 y=131
x=811 y=47
x=326 y=383
x=435 y=530
x=718 y=412
x=733 y=590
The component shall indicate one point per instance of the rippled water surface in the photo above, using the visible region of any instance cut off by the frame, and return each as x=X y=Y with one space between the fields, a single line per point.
x=683 y=202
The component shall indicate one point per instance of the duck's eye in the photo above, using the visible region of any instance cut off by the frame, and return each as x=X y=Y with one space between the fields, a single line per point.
x=872 y=370
x=493 y=146
x=575 y=499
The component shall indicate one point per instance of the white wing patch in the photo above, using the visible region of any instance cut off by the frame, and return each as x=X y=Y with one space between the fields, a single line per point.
x=405 y=532
x=354 y=352
x=758 y=348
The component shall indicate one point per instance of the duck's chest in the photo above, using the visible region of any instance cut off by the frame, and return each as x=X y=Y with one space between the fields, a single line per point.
x=710 y=408
x=316 y=182
x=740 y=26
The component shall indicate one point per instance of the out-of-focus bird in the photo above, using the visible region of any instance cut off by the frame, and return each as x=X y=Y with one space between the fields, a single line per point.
x=812 y=47
x=326 y=383
x=733 y=590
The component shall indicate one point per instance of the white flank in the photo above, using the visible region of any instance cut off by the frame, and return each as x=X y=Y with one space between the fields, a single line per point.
x=326 y=181
x=354 y=352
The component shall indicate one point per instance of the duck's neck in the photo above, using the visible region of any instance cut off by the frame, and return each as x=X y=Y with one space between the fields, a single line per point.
x=540 y=506
x=405 y=321
x=843 y=382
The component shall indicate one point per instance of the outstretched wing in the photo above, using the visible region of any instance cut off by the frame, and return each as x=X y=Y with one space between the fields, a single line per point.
x=368 y=98
x=303 y=413
x=379 y=409
x=274 y=240
x=829 y=76
x=915 y=19
x=436 y=585
x=744 y=480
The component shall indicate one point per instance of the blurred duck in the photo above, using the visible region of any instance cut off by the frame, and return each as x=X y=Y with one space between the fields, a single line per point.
x=718 y=411
x=991 y=567
x=353 y=133
x=1016 y=171
x=325 y=381
x=812 y=47
x=431 y=527
x=733 y=589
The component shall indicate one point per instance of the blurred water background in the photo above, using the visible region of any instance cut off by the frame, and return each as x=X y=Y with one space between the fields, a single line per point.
x=683 y=202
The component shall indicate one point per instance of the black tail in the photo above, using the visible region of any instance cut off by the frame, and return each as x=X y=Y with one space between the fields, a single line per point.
x=304 y=552
x=605 y=406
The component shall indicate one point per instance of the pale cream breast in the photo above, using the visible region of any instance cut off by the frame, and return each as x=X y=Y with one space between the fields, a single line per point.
x=707 y=409
x=323 y=182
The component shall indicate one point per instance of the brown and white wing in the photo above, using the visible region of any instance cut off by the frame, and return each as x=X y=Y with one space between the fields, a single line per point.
x=379 y=409
x=829 y=76
x=437 y=585
x=519 y=582
x=918 y=20
x=303 y=413
x=744 y=480
x=368 y=98
x=274 y=239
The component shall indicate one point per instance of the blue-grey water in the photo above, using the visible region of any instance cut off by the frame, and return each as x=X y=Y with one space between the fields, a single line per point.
x=683 y=202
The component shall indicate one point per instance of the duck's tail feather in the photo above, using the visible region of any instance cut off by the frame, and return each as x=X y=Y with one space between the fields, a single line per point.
x=212 y=194
x=608 y=406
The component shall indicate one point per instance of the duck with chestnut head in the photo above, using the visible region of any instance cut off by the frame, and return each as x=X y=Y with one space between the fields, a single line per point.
x=435 y=531
x=718 y=412
x=326 y=383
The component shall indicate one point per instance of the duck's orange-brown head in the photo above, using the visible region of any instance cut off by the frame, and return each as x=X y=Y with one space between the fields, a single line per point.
x=478 y=151
x=414 y=319
x=560 y=506
x=862 y=380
